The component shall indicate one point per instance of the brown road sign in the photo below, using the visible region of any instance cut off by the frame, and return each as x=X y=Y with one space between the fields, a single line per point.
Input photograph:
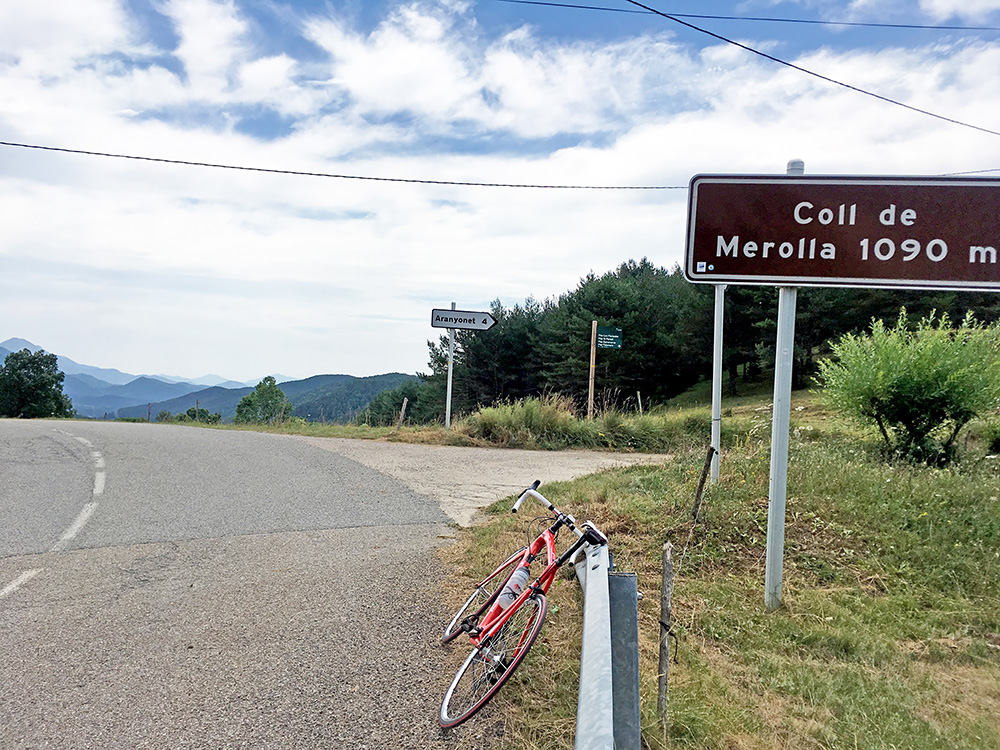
x=913 y=232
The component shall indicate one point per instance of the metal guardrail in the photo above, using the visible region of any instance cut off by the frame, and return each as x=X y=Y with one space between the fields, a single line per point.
x=607 y=715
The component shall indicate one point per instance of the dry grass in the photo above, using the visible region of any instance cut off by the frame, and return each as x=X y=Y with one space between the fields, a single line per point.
x=889 y=633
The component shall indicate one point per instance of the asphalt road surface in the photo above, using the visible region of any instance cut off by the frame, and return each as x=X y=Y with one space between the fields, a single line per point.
x=169 y=587
x=172 y=587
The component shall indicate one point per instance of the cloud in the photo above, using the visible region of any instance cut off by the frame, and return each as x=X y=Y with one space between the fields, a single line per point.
x=47 y=36
x=968 y=9
x=212 y=42
x=149 y=264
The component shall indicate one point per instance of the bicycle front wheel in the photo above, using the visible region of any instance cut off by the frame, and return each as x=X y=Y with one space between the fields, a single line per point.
x=485 y=593
x=488 y=667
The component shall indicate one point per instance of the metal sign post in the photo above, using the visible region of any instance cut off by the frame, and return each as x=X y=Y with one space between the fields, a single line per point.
x=781 y=411
x=451 y=319
x=451 y=362
x=720 y=302
x=777 y=490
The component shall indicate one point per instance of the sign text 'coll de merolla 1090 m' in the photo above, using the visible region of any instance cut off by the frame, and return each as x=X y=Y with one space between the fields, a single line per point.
x=910 y=232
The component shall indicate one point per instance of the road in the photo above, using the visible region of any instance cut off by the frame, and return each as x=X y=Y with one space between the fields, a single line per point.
x=163 y=586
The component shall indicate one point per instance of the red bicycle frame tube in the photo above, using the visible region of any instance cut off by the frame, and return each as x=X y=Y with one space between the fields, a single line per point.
x=497 y=616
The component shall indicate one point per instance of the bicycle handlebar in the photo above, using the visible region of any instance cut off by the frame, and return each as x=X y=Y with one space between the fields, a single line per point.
x=532 y=491
x=593 y=534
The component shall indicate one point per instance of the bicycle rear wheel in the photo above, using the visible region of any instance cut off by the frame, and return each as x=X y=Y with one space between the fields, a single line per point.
x=488 y=667
x=485 y=594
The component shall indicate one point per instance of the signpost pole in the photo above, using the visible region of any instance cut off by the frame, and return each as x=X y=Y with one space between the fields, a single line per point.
x=593 y=365
x=451 y=360
x=780 y=423
x=720 y=302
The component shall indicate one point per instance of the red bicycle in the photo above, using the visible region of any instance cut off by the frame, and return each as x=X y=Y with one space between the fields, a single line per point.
x=503 y=615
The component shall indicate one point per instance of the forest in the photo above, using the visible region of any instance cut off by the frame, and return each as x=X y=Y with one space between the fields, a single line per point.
x=542 y=347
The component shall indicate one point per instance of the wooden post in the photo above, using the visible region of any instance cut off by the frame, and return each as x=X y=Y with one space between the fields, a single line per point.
x=638 y=396
x=701 y=483
x=402 y=414
x=666 y=593
x=593 y=364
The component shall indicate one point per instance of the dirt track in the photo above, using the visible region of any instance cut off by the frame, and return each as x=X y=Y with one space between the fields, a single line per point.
x=463 y=480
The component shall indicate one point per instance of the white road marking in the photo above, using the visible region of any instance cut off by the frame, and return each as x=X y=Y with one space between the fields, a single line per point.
x=100 y=477
x=75 y=527
x=18 y=582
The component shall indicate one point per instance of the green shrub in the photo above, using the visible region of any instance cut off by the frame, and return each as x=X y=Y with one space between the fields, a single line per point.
x=918 y=387
x=992 y=435
x=551 y=423
x=547 y=422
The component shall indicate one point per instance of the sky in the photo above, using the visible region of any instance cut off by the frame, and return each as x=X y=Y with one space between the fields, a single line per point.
x=153 y=267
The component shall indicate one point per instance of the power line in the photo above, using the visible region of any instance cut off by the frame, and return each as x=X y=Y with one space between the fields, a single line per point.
x=974 y=171
x=810 y=21
x=812 y=73
x=339 y=176
x=296 y=173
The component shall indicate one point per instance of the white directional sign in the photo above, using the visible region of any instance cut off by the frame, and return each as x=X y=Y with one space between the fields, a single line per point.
x=464 y=319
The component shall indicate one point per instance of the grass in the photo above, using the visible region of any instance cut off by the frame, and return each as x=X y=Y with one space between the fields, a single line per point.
x=889 y=636
x=552 y=423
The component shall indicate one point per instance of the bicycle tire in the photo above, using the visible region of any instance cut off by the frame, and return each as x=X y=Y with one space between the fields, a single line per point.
x=488 y=667
x=485 y=593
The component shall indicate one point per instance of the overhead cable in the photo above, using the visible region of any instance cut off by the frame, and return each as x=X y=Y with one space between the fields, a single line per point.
x=340 y=176
x=382 y=179
x=765 y=19
x=813 y=73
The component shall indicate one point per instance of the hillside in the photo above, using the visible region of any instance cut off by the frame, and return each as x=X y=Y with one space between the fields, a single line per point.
x=94 y=398
x=342 y=401
x=214 y=399
x=330 y=398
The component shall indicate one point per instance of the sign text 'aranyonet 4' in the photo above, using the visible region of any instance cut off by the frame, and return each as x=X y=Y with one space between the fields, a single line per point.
x=468 y=320
x=915 y=232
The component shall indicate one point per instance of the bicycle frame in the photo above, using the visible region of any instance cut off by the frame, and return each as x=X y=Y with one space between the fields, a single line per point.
x=496 y=617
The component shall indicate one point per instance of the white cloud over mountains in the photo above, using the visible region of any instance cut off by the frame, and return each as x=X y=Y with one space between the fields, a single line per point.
x=155 y=267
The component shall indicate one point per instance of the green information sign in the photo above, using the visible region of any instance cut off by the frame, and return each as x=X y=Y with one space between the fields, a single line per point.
x=609 y=338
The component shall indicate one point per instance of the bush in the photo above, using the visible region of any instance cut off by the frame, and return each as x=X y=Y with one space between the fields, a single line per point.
x=992 y=435
x=266 y=404
x=547 y=422
x=918 y=387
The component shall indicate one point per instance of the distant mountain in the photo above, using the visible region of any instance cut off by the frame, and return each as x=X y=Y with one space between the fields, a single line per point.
x=206 y=381
x=215 y=399
x=98 y=392
x=95 y=398
x=69 y=367
x=115 y=377
x=16 y=345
